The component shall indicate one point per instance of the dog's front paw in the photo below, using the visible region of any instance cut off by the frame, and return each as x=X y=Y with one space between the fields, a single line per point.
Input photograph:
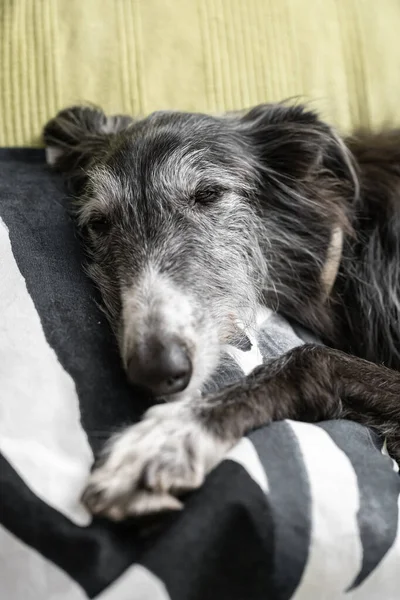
x=151 y=463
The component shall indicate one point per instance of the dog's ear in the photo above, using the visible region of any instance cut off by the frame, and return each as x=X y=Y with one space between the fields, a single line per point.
x=77 y=136
x=293 y=142
x=309 y=161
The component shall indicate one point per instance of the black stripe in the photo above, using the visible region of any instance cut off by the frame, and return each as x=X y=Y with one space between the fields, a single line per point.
x=221 y=547
x=290 y=503
x=94 y=556
x=379 y=487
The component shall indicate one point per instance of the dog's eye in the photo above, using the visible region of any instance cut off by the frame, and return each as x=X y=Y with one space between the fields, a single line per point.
x=100 y=225
x=207 y=196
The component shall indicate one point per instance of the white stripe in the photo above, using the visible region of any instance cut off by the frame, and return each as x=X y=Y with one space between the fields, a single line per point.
x=137 y=583
x=250 y=359
x=40 y=430
x=335 y=552
x=385 y=452
x=384 y=581
x=27 y=575
x=247 y=361
x=246 y=455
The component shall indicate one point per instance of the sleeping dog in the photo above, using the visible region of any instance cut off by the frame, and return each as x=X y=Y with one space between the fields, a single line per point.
x=191 y=223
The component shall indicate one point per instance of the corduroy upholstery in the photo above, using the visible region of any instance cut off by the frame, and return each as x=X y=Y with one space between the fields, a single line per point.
x=137 y=56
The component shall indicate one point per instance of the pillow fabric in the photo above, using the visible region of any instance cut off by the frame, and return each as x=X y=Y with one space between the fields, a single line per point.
x=295 y=511
x=136 y=56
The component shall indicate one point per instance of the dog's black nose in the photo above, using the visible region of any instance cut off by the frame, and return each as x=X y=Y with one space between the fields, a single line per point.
x=161 y=368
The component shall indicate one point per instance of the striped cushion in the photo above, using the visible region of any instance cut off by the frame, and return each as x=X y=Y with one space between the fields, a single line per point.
x=295 y=511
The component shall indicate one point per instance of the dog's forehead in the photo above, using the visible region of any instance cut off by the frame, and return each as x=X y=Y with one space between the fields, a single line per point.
x=163 y=133
x=176 y=150
x=179 y=121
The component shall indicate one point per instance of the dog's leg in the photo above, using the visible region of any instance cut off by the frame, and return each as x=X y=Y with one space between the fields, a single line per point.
x=176 y=444
x=310 y=383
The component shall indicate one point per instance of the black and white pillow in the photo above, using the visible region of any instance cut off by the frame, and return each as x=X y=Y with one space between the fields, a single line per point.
x=296 y=511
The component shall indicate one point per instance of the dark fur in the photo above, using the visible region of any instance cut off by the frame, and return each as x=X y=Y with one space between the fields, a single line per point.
x=253 y=223
x=310 y=383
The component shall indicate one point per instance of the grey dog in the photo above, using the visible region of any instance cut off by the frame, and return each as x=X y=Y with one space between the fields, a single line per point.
x=191 y=222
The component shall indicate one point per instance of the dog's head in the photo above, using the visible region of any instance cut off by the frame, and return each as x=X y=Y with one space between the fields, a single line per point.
x=188 y=219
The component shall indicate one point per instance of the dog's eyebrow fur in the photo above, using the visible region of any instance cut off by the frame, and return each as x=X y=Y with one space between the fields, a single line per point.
x=103 y=191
